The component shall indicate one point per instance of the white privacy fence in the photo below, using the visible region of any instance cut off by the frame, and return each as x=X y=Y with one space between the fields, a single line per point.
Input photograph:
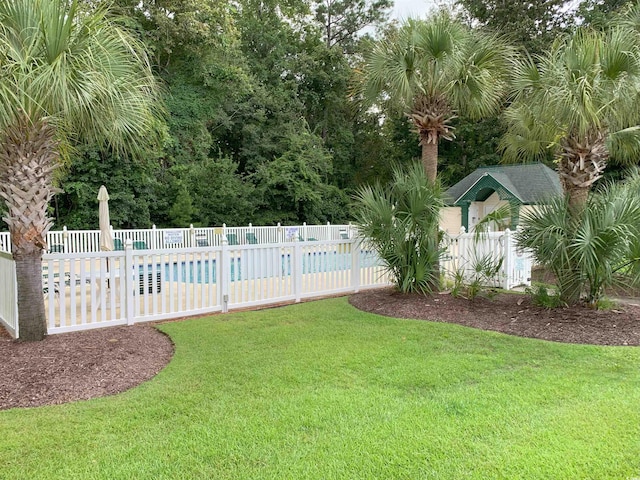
x=472 y=254
x=99 y=289
x=8 y=294
x=86 y=241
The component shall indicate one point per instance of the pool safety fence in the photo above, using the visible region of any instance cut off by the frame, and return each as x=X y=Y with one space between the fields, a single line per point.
x=98 y=289
x=122 y=287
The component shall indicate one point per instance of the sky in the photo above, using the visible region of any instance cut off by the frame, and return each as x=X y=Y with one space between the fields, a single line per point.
x=411 y=8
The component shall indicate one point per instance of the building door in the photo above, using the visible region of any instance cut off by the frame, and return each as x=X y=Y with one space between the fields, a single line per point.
x=475 y=214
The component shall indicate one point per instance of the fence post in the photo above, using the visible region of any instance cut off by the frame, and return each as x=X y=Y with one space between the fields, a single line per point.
x=129 y=280
x=297 y=269
x=225 y=273
x=508 y=259
x=355 y=264
x=154 y=239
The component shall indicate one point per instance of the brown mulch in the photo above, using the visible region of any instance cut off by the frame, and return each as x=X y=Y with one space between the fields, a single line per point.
x=79 y=365
x=513 y=314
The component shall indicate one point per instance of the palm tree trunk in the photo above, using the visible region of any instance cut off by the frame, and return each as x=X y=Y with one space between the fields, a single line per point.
x=430 y=160
x=31 y=313
x=430 y=165
x=28 y=156
x=578 y=198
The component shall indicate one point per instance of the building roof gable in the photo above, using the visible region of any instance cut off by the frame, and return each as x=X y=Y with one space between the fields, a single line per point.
x=524 y=184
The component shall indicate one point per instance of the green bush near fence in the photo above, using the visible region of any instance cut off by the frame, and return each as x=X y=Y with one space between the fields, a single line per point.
x=323 y=391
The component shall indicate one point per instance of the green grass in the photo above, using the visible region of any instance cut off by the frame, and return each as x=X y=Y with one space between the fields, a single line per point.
x=323 y=391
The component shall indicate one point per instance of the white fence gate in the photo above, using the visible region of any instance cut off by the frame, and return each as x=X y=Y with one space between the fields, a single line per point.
x=467 y=252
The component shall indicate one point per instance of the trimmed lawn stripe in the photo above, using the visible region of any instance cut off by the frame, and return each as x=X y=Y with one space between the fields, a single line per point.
x=321 y=390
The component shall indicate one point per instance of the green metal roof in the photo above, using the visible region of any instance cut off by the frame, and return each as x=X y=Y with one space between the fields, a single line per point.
x=524 y=184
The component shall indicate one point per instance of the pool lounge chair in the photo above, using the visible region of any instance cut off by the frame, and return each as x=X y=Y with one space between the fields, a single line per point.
x=232 y=239
x=117 y=244
x=202 y=241
x=140 y=245
x=251 y=238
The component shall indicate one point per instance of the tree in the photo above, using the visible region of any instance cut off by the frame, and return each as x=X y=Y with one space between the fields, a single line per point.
x=434 y=70
x=65 y=73
x=599 y=13
x=342 y=19
x=578 y=102
x=132 y=182
x=527 y=24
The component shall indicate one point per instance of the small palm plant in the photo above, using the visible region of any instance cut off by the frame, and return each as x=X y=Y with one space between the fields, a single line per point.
x=591 y=249
x=398 y=221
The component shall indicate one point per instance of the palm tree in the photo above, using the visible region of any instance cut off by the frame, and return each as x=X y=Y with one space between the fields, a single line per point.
x=579 y=103
x=65 y=74
x=434 y=70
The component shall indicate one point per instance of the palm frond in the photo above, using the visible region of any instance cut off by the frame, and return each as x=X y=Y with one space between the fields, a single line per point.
x=82 y=72
x=400 y=222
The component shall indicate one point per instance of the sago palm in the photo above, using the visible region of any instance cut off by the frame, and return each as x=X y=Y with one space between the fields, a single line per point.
x=397 y=220
x=66 y=74
x=434 y=70
x=578 y=102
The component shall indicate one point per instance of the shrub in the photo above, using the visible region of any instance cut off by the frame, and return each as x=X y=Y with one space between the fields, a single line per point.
x=400 y=221
x=591 y=248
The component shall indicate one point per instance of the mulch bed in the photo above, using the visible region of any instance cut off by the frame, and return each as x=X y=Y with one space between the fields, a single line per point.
x=95 y=363
x=80 y=365
x=513 y=314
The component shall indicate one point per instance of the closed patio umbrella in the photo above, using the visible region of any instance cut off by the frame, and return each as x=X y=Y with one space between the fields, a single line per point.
x=106 y=240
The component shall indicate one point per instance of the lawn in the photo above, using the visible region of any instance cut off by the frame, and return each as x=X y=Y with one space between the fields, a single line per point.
x=321 y=390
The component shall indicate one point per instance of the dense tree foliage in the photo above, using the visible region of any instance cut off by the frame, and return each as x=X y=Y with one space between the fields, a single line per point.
x=530 y=25
x=263 y=125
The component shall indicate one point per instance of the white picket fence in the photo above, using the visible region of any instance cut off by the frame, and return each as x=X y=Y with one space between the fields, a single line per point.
x=8 y=294
x=87 y=241
x=99 y=289
x=467 y=252
x=85 y=290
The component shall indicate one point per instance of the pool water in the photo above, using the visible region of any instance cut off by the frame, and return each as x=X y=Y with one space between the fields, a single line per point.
x=204 y=271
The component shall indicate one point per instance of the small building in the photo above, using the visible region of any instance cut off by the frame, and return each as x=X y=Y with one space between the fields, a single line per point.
x=487 y=189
